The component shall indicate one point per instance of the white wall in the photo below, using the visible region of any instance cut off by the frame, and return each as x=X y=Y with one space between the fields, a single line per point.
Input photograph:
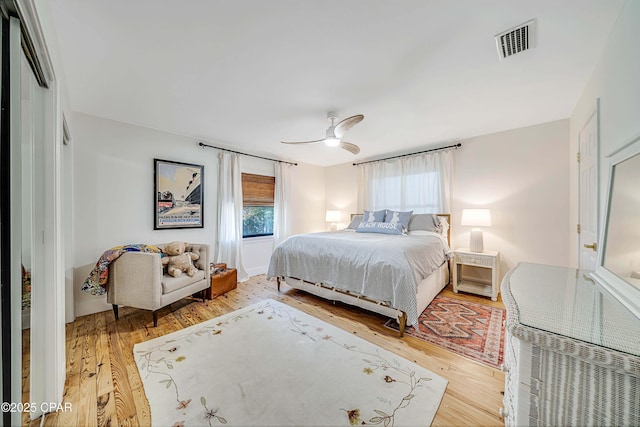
x=615 y=80
x=342 y=191
x=113 y=190
x=521 y=175
x=307 y=199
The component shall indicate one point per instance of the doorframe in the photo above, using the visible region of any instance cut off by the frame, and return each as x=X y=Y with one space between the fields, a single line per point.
x=47 y=329
x=596 y=112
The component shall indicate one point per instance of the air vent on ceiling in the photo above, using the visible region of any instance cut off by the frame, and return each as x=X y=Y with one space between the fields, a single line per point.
x=517 y=39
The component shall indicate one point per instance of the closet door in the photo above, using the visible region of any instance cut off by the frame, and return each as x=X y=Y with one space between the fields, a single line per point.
x=34 y=213
x=12 y=223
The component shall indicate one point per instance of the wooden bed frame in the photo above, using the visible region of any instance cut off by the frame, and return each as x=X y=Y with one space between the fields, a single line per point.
x=334 y=294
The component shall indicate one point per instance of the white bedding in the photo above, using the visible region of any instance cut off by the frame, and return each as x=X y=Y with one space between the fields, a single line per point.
x=382 y=267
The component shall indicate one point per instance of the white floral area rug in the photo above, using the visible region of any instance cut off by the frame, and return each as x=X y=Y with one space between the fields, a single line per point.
x=270 y=364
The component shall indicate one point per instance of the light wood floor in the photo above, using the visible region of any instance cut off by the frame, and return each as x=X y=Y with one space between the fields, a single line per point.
x=104 y=387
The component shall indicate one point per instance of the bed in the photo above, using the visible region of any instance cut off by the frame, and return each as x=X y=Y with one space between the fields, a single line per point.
x=396 y=275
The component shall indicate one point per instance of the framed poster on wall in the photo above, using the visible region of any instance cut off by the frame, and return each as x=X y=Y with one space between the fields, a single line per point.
x=179 y=195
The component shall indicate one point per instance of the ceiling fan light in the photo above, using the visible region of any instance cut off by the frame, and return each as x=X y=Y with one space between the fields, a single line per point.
x=332 y=141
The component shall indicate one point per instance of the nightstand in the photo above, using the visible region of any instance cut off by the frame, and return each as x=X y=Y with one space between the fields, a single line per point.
x=480 y=274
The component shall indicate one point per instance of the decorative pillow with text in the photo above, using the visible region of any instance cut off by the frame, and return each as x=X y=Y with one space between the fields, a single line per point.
x=379 y=227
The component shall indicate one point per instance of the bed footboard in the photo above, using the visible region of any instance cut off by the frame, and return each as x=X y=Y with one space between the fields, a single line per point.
x=334 y=294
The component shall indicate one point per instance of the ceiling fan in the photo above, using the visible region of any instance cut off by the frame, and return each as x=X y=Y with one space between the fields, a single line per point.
x=335 y=132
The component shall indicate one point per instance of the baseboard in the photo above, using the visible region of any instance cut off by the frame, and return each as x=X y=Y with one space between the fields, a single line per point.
x=90 y=307
x=256 y=271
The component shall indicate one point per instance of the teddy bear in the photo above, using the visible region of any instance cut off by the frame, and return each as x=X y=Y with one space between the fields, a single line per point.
x=178 y=261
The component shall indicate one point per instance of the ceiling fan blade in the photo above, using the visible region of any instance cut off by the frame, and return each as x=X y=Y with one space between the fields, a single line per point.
x=353 y=148
x=346 y=124
x=302 y=142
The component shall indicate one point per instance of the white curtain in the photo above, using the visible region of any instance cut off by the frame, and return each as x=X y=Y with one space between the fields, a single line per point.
x=421 y=183
x=229 y=232
x=281 y=202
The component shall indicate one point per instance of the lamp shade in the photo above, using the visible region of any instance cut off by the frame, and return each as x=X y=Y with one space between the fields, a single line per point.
x=476 y=218
x=333 y=216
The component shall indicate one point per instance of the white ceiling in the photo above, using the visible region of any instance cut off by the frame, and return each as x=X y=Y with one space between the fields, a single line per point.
x=247 y=74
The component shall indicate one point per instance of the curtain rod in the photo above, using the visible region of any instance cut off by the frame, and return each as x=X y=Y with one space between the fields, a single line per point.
x=202 y=144
x=458 y=145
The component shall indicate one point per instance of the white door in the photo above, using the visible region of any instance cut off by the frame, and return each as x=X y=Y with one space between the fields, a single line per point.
x=588 y=193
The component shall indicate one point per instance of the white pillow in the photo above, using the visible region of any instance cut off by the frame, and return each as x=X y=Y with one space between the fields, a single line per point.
x=420 y=233
x=445 y=226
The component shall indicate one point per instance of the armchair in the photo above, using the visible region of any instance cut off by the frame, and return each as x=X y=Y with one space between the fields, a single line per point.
x=136 y=279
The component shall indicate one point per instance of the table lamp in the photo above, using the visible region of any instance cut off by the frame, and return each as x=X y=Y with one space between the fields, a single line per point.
x=333 y=217
x=476 y=218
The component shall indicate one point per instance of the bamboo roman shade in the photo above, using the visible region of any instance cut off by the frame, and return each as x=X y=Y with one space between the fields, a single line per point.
x=257 y=190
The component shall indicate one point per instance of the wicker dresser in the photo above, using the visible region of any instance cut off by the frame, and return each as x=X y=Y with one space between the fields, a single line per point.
x=572 y=351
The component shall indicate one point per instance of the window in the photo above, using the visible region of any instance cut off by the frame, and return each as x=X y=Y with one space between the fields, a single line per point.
x=257 y=205
x=421 y=183
x=408 y=192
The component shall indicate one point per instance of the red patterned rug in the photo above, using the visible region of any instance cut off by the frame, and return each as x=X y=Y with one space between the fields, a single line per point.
x=469 y=329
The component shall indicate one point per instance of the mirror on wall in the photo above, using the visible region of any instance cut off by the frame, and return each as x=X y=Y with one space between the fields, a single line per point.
x=619 y=266
x=622 y=251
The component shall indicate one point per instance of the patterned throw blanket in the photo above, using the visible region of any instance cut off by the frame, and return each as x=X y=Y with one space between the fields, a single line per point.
x=96 y=283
